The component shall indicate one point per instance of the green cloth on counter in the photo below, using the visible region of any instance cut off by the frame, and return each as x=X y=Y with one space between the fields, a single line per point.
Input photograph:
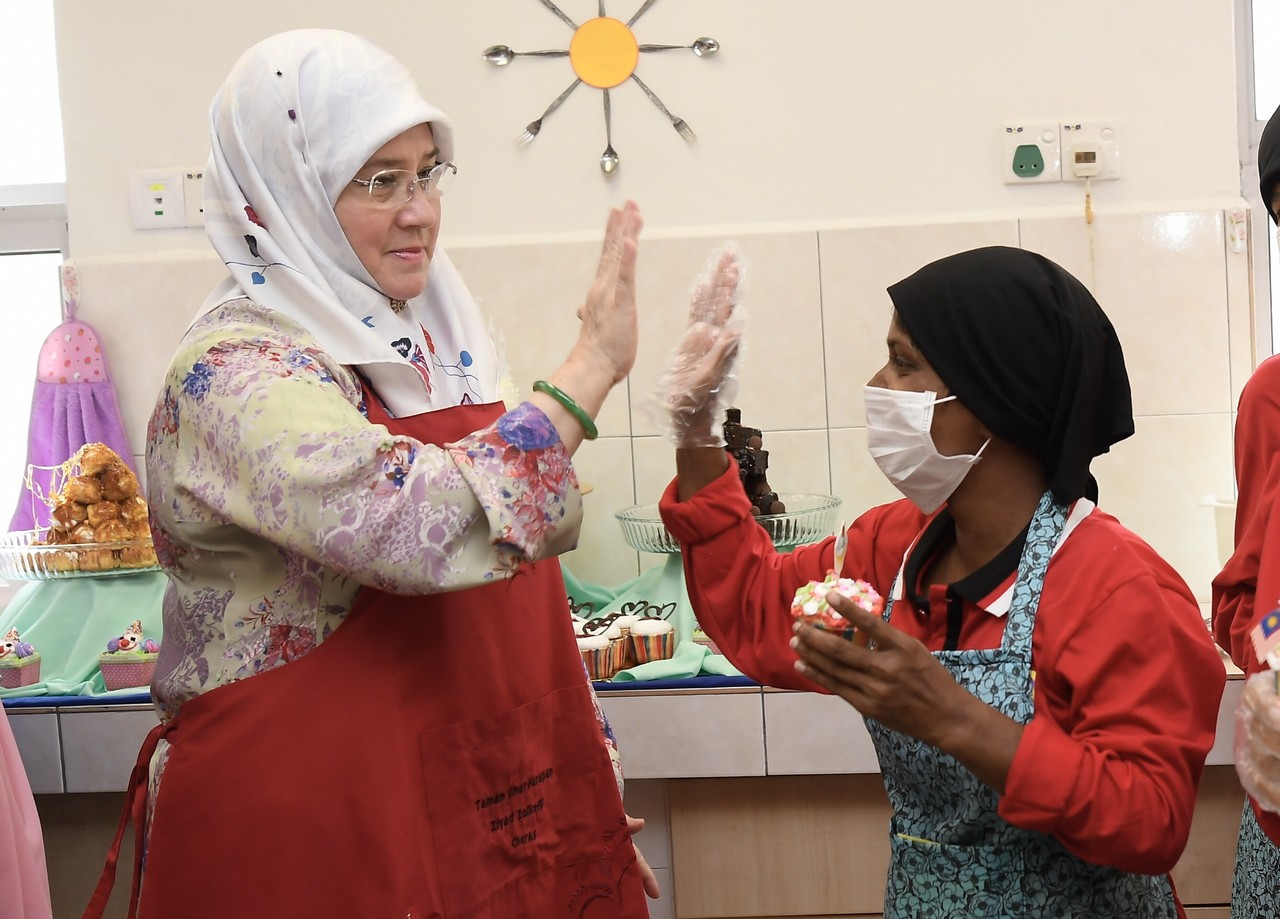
x=70 y=620
x=661 y=587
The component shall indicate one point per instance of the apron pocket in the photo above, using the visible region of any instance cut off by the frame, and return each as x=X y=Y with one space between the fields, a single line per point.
x=515 y=795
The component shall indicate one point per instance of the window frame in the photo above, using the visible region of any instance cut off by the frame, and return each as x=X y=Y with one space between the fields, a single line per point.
x=1260 y=232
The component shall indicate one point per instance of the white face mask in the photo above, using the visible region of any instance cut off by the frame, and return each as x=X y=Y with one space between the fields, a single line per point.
x=899 y=439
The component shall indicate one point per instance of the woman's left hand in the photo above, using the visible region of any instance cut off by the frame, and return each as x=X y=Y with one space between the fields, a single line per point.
x=899 y=683
x=647 y=877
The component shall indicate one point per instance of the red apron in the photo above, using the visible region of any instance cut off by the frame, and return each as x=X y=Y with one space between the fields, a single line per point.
x=436 y=756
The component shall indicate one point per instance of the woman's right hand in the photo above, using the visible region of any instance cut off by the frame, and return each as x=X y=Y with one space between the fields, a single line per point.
x=609 y=330
x=606 y=347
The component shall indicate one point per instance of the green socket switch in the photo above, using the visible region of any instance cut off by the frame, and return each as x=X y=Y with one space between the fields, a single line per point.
x=1028 y=162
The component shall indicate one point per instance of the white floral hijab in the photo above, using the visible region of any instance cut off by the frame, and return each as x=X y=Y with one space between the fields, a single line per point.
x=298 y=116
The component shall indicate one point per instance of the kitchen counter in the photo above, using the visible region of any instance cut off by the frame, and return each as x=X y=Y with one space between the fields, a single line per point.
x=706 y=727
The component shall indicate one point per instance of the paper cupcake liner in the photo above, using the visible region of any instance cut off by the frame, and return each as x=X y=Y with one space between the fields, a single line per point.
x=600 y=662
x=653 y=647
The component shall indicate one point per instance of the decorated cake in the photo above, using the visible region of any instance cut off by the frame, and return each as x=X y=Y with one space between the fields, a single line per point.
x=746 y=445
x=19 y=662
x=98 y=514
x=810 y=604
x=130 y=659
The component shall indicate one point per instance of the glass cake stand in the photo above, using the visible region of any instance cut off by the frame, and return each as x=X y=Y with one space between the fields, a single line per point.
x=808 y=518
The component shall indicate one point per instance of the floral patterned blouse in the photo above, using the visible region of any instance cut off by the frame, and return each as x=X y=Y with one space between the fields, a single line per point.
x=267 y=539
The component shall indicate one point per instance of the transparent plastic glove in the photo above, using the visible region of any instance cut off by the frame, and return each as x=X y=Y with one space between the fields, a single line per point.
x=701 y=379
x=1257 y=742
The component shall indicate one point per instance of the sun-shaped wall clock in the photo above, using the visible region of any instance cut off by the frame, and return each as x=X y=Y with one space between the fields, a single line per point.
x=604 y=53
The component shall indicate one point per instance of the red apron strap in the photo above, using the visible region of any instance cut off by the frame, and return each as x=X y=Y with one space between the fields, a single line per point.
x=135 y=807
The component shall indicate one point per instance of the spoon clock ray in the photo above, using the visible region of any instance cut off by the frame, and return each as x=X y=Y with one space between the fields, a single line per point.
x=603 y=53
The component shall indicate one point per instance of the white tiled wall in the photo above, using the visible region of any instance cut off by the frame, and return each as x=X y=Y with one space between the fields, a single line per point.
x=817 y=316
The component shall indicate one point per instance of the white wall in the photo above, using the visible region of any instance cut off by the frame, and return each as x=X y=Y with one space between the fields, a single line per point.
x=816 y=112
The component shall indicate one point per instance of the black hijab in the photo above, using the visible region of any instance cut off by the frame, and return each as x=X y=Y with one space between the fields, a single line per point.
x=1028 y=350
x=1269 y=160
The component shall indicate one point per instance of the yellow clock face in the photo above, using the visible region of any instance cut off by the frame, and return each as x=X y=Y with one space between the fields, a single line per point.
x=604 y=54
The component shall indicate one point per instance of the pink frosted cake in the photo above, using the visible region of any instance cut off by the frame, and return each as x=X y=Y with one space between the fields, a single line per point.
x=19 y=662
x=810 y=604
x=130 y=659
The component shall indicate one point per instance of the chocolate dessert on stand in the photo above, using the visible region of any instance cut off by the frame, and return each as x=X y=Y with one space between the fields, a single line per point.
x=746 y=445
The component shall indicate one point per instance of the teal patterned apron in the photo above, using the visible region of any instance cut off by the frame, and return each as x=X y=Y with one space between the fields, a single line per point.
x=952 y=855
x=1255 y=886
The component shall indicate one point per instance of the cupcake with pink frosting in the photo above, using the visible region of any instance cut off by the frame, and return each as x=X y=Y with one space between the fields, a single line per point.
x=810 y=605
x=19 y=662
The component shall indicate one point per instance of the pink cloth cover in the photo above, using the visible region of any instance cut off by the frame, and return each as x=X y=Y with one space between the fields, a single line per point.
x=24 y=878
x=74 y=404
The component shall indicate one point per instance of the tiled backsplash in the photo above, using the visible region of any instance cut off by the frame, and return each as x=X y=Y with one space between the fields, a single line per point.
x=817 y=317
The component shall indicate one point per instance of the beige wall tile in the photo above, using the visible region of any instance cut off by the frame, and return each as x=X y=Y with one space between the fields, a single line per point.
x=857 y=267
x=603 y=556
x=157 y=298
x=531 y=294
x=780 y=379
x=1156 y=483
x=1161 y=279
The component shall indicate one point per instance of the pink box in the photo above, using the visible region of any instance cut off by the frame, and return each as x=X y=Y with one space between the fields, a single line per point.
x=127 y=673
x=24 y=674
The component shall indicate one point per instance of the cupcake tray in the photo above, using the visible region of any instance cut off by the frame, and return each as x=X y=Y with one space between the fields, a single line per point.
x=22 y=560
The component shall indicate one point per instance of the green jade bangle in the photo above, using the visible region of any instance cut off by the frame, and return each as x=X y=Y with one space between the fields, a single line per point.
x=573 y=408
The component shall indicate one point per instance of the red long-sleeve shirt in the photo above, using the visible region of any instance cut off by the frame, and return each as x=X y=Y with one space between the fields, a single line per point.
x=1127 y=682
x=1248 y=587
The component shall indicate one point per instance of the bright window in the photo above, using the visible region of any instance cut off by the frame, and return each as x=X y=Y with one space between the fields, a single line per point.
x=33 y=224
x=1259 y=97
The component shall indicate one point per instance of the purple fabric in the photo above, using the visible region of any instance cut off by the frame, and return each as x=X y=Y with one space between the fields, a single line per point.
x=65 y=417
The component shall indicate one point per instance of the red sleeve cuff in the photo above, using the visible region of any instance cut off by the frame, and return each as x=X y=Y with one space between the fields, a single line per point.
x=1042 y=776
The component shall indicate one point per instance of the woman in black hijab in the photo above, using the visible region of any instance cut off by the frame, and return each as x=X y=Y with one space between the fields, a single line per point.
x=1039 y=759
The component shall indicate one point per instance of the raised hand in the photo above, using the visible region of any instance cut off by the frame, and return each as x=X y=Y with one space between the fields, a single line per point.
x=701 y=380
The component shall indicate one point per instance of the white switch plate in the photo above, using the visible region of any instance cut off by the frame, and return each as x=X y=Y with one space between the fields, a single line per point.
x=1030 y=152
x=193 y=196
x=156 y=199
x=1099 y=139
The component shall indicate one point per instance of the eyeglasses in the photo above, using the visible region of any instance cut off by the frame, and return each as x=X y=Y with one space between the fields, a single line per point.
x=394 y=187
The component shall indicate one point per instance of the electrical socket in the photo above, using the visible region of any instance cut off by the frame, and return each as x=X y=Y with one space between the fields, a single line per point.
x=156 y=199
x=1090 y=149
x=1030 y=152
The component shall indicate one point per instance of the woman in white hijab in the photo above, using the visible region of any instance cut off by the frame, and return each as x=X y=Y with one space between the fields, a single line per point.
x=372 y=701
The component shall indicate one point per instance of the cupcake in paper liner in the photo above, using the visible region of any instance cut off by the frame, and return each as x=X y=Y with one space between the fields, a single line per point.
x=652 y=640
x=598 y=656
x=810 y=605
x=19 y=662
x=130 y=659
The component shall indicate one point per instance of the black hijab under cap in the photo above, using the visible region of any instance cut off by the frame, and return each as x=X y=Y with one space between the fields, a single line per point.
x=1028 y=350
x=1269 y=160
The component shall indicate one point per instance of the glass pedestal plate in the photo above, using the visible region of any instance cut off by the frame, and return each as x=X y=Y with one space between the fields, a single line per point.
x=661 y=591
